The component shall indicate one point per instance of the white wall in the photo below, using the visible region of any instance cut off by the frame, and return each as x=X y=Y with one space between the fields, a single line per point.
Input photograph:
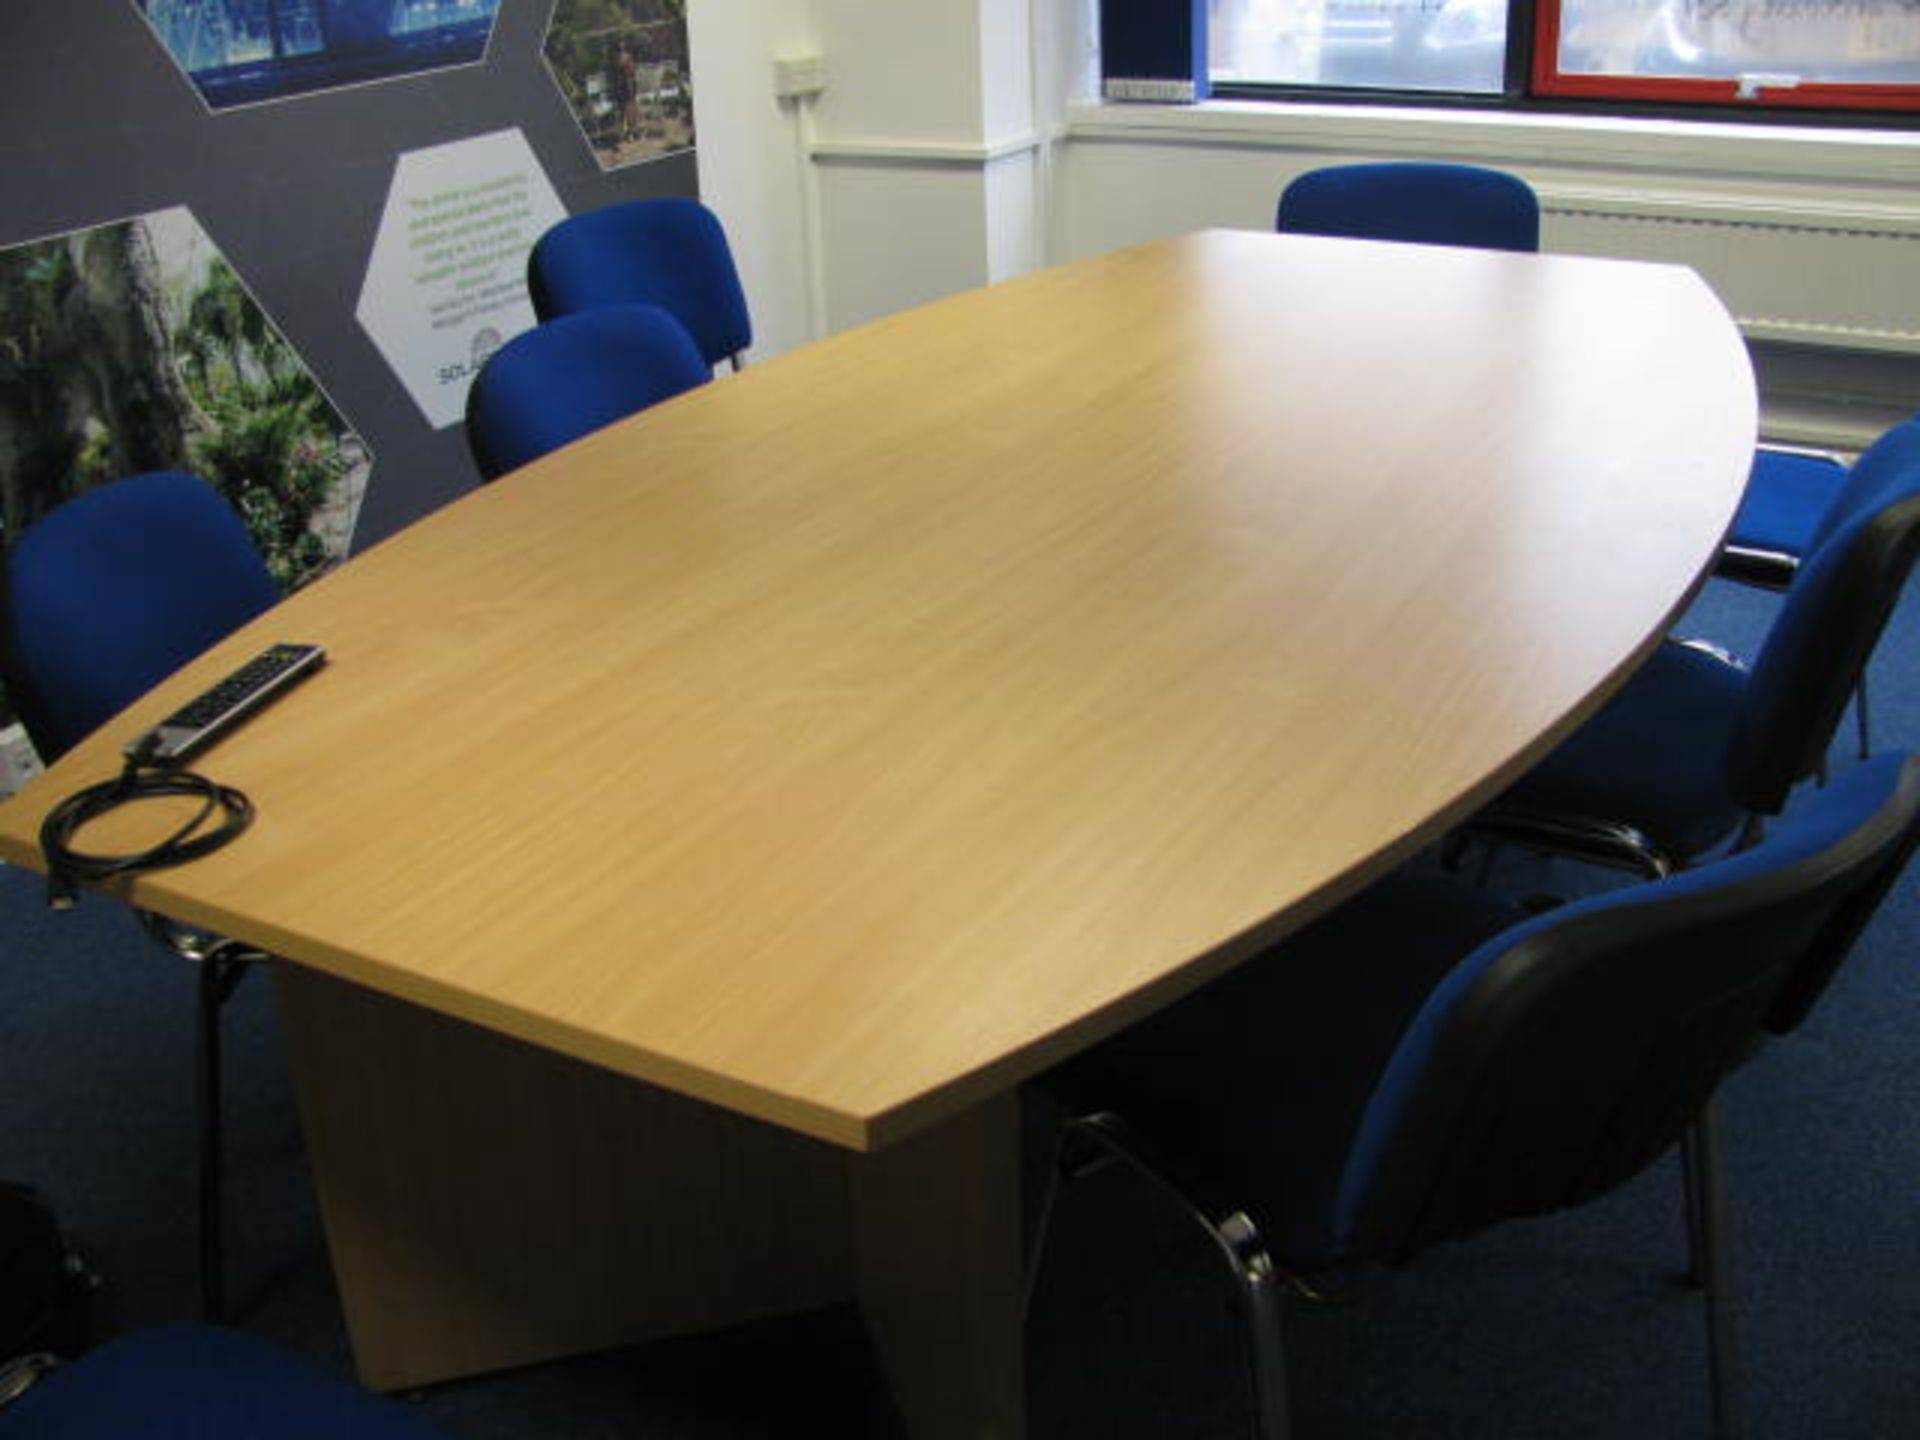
x=918 y=171
x=1810 y=236
x=754 y=170
x=915 y=173
x=955 y=144
x=922 y=146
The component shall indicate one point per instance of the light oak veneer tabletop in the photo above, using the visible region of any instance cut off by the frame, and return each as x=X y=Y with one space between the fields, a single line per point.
x=846 y=740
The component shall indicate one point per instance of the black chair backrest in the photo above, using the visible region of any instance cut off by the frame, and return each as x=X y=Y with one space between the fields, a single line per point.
x=1564 y=1056
x=1810 y=664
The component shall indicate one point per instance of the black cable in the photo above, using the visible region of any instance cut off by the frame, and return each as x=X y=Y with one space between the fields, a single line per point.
x=67 y=865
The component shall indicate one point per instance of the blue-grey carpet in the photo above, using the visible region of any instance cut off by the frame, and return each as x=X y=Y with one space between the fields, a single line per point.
x=1572 y=1326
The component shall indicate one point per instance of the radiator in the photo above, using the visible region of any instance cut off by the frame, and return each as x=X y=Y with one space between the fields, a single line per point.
x=1844 y=277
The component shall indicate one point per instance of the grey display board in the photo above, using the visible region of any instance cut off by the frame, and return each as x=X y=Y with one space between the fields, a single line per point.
x=97 y=124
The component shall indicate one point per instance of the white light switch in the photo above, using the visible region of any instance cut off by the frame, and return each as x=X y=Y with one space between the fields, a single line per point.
x=795 y=76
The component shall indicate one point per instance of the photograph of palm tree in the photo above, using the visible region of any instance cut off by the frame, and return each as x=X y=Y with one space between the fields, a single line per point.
x=241 y=52
x=623 y=67
x=134 y=346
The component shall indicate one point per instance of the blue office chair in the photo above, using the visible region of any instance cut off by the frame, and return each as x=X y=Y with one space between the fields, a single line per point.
x=566 y=378
x=1428 y=1061
x=671 y=253
x=1694 y=750
x=1423 y=202
x=116 y=589
x=1789 y=496
x=106 y=596
x=191 y=1382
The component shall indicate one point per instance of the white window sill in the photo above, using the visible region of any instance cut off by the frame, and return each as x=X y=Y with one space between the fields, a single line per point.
x=1824 y=155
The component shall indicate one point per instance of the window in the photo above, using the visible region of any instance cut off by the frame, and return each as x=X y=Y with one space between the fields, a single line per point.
x=1861 y=55
x=1457 y=45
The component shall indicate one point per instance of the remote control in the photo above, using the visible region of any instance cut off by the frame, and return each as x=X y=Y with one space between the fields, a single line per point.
x=214 y=712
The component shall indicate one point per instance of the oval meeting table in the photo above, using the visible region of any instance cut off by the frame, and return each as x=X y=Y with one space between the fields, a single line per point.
x=698 y=835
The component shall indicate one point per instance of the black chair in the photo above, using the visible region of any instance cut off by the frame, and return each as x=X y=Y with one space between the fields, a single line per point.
x=106 y=596
x=670 y=252
x=1428 y=1062
x=1424 y=202
x=1694 y=750
x=191 y=1382
x=564 y=379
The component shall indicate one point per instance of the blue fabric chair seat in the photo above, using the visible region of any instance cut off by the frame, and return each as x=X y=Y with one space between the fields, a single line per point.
x=1786 y=498
x=1654 y=756
x=1688 y=750
x=195 y=1382
x=1320 y=1016
x=1425 y=1063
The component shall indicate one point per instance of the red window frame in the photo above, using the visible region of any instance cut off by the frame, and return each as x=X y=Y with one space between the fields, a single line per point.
x=1547 y=79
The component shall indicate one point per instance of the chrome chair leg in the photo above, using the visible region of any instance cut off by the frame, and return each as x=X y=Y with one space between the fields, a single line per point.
x=1259 y=1299
x=1092 y=1140
x=1695 y=1274
x=220 y=975
x=221 y=964
x=1708 y=1207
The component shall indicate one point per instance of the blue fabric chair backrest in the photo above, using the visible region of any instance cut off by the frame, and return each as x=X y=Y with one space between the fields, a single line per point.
x=1880 y=466
x=671 y=253
x=1830 y=620
x=1565 y=1055
x=550 y=385
x=1422 y=202
x=114 y=590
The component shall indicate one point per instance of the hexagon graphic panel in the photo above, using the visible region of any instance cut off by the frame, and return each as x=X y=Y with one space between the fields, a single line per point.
x=623 y=67
x=242 y=52
x=136 y=346
x=446 y=284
